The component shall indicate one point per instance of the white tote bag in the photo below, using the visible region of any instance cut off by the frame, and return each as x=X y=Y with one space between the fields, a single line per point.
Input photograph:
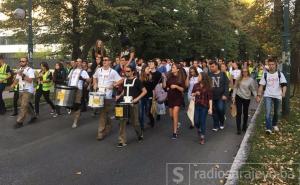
x=191 y=110
x=161 y=109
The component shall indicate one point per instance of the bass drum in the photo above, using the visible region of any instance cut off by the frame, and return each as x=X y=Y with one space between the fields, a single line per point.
x=64 y=96
x=96 y=100
x=122 y=111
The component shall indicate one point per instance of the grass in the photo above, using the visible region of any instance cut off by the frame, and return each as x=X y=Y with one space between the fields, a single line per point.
x=278 y=154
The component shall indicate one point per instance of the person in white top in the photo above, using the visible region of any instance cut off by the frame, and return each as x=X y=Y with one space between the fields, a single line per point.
x=275 y=86
x=24 y=78
x=196 y=65
x=76 y=77
x=235 y=72
x=104 y=80
x=190 y=81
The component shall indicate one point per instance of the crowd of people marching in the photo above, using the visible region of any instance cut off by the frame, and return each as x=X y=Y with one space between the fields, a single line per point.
x=155 y=86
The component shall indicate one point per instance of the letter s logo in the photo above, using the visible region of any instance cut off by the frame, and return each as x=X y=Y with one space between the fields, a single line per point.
x=178 y=173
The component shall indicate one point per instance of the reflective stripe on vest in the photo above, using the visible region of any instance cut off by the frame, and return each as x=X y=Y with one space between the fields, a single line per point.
x=3 y=73
x=46 y=85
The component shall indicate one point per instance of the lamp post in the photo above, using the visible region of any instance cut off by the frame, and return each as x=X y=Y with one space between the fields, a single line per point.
x=286 y=56
x=30 y=33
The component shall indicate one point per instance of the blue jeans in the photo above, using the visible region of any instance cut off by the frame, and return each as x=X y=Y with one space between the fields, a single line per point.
x=268 y=103
x=145 y=107
x=200 y=118
x=218 y=113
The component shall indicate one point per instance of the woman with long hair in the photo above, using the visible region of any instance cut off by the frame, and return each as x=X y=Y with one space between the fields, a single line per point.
x=146 y=101
x=175 y=86
x=59 y=78
x=241 y=95
x=43 y=88
x=190 y=81
x=202 y=93
x=98 y=51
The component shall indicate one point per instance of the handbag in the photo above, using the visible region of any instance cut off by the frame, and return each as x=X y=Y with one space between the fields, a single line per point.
x=161 y=109
x=233 y=110
x=191 y=111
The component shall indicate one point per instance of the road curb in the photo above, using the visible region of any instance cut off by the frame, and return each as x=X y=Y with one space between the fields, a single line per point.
x=242 y=154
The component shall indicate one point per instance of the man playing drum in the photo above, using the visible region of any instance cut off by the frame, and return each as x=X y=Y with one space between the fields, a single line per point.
x=104 y=79
x=133 y=91
x=76 y=78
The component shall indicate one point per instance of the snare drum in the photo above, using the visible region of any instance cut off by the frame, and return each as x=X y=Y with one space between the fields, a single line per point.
x=64 y=96
x=122 y=111
x=96 y=100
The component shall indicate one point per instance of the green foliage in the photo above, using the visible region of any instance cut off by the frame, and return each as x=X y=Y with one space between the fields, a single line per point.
x=157 y=28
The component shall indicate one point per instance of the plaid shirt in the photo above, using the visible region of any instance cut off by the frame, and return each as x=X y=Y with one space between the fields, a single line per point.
x=204 y=97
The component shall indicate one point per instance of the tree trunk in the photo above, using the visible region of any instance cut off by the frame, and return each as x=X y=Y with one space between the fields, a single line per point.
x=75 y=30
x=295 y=43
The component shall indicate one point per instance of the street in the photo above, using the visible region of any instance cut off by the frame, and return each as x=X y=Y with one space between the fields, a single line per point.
x=51 y=152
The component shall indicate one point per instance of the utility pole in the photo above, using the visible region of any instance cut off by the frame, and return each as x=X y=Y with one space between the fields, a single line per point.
x=286 y=58
x=30 y=33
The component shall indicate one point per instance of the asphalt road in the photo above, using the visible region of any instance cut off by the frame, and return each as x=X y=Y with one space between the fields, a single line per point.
x=50 y=152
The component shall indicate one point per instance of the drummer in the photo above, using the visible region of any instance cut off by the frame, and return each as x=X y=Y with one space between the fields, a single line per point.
x=76 y=78
x=136 y=91
x=104 y=80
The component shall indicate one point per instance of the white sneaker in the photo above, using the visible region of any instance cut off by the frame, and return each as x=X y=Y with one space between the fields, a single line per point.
x=69 y=111
x=215 y=129
x=178 y=125
x=268 y=131
x=221 y=127
x=276 y=129
x=74 y=125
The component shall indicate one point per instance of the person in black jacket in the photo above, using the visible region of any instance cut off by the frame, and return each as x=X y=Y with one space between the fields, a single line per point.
x=59 y=78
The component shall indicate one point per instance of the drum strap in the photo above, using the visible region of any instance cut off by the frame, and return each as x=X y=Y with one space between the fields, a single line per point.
x=103 y=79
x=128 y=85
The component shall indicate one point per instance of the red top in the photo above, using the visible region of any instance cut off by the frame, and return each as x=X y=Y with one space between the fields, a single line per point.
x=204 y=97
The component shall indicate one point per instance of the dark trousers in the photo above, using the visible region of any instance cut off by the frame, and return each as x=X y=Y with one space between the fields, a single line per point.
x=46 y=94
x=84 y=98
x=218 y=113
x=2 y=103
x=200 y=119
x=145 y=108
x=242 y=106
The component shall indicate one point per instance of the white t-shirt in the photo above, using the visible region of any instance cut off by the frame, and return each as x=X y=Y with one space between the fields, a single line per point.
x=192 y=82
x=273 y=88
x=236 y=73
x=74 y=78
x=24 y=85
x=199 y=70
x=106 y=79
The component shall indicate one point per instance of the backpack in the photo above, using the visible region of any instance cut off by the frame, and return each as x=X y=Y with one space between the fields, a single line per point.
x=160 y=93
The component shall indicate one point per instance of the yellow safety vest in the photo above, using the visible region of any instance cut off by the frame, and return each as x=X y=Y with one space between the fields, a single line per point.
x=3 y=73
x=251 y=69
x=46 y=85
x=260 y=74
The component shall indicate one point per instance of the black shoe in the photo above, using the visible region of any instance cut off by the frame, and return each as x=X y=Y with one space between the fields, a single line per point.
x=14 y=114
x=18 y=125
x=32 y=120
x=239 y=132
x=244 y=129
x=140 y=138
x=120 y=145
x=174 y=136
x=191 y=127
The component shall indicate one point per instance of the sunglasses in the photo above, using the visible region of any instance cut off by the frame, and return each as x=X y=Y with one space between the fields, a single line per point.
x=128 y=71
